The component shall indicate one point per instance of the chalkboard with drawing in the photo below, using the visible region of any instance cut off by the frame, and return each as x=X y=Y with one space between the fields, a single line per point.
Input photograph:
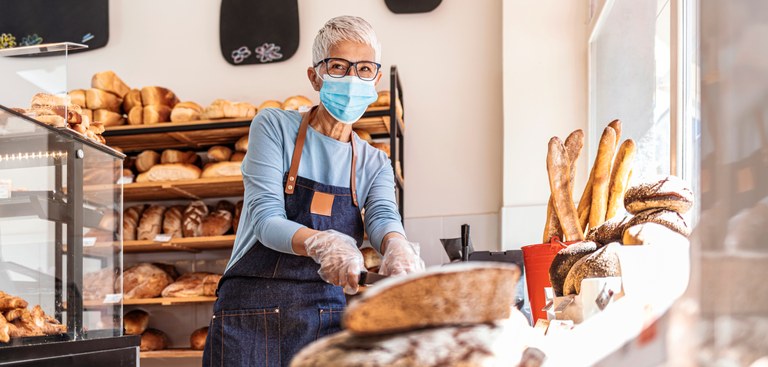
x=258 y=32
x=32 y=22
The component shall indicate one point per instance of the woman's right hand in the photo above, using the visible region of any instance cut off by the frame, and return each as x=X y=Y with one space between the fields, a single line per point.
x=340 y=260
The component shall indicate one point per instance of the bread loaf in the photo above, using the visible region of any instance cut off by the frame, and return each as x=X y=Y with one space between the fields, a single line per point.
x=371 y=259
x=383 y=99
x=154 y=114
x=456 y=294
x=197 y=339
x=211 y=284
x=153 y=339
x=131 y=218
x=151 y=223
x=136 y=115
x=132 y=99
x=192 y=220
x=236 y=218
x=296 y=102
x=172 y=172
x=143 y=280
x=601 y=263
x=221 y=108
x=96 y=99
x=225 y=205
x=110 y=82
x=602 y=178
x=667 y=218
x=622 y=166
x=108 y=118
x=237 y=157
x=176 y=156
x=186 y=111
x=77 y=97
x=98 y=284
x=146 y=160
x=158 y=96
x=172 y=221
x=222 y=169
x=564 y=260
x=188 y=285
x=168 y=269
x=242 y=144
x=219 y=153
x=217 y=223
x=270 y=104
x=558 y=168
x=669 y=192
x=45 y=100
x=136 y=322
x=610 y=231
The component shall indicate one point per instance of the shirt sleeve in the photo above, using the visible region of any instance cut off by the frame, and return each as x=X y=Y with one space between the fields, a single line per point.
x=263 y=171
x=381 y=215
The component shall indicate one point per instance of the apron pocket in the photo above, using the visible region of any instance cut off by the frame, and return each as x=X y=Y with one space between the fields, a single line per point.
x=330 y=320
x=248 y=337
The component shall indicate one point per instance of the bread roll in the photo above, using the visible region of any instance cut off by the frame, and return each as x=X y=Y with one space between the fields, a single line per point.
x=143 y=280
x=669 y=192
x=371 y=259
x=384 y=147
x=296 y=102
x=217 y=223
x=610 y=231
x=242 y=144
x=237 y=157
x=146 y=160
x=131 y=217
x=153 y=339
x=154 y=114
x=270 y=104
x=136 y=322
x=77 y=97
x=172 y=221
x=96 y=99
x=564 y=260
x=192 y=220
x=222 y=169
x=136 y=116
x=110 y=82
x=601 y=263
x=132 y=99
x=158 y=96
x=667 y=218
x=219 y=153
x=151 y=223
x=172 y=172
x=439 y=296
x=236 y=218
x=186 y=111
x=176 y=156
x=108 y=118
x=197 y=339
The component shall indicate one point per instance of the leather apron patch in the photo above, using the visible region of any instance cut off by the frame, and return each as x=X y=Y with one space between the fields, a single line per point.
x=322 y=204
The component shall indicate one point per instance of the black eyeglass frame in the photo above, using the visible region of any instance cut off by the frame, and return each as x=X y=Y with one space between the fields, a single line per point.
x=351 y=65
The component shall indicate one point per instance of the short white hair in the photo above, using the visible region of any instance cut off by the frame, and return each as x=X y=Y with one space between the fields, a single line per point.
x=344 y=28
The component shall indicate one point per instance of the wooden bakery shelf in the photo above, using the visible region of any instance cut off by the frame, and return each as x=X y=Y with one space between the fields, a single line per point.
x=167 y=190
x=190 y=244
x=163 y=301
x=172 y=353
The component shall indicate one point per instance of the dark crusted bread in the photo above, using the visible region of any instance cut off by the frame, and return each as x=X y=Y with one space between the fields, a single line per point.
x=564 y=260
x=670 y=193
x=666 y=218
x=601 y=263
x=609 y=231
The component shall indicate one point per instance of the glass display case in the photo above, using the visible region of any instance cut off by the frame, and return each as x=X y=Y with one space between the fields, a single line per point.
x=60 y=225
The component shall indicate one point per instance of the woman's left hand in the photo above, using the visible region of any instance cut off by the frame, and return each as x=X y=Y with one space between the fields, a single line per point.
x=401 y=257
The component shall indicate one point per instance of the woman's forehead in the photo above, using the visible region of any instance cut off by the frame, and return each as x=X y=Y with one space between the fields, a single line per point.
x=352 y=51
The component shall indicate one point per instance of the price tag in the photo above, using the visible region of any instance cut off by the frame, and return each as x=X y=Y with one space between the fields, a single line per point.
x=113 y=298
x=162 y=237
x=125 y=180
x=5 y=189
x=89 y=241
x=604 y=297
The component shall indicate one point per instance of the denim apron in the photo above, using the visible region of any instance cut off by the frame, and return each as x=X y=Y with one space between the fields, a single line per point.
x=272 y=304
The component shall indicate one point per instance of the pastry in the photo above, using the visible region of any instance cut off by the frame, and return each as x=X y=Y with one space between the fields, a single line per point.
x=611 y=230
x=622 y=167
x=136 y=322
x=383 y=99
x=371 y=259
x=236 y=218
x=573 y=145
x=669 y=192
x=136 y=115
x=237 y=157
x=176 y=156
x=131 y=218
x=9 y=302
x=364 y=135
x=186 y=111
x=602 y=178
x=77 y=97
x=564 y=260
x=211 y=284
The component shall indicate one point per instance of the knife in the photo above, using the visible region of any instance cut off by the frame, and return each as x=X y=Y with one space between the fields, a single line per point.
x=367 y=278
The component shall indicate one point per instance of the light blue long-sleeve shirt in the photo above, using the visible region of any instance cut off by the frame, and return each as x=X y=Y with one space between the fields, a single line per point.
x=325 y=160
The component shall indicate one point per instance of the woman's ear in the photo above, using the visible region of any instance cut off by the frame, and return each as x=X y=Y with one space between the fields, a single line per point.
x=314 y=79
x=378 y=78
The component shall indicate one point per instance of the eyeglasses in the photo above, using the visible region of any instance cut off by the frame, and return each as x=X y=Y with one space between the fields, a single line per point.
x=338 y=68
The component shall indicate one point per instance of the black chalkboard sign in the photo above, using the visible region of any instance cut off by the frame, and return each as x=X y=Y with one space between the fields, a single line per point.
x=258 y=31
x=412 y=6
x=32 y=22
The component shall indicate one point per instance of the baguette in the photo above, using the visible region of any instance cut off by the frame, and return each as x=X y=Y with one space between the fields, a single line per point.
x=573 y=145
x=602 y=169
x=616 y=125
x=622 y=165
x=559 y=184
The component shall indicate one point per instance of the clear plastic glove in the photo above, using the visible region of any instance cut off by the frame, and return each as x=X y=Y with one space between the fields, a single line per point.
x=401 y=257
x=340 y=260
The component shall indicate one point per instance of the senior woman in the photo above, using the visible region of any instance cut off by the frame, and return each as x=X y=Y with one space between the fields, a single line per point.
x=307 y=178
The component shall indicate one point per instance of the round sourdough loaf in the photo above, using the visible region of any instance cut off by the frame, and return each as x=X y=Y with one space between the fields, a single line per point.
x=153 y=339
x=670 y=193
x=667 y=218
x=609 y=231
x=197 y=339
x=136 y=322
x=564 y=260
x=601 y=263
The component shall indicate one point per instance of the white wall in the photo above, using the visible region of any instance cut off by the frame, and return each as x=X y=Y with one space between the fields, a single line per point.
x=545 y=94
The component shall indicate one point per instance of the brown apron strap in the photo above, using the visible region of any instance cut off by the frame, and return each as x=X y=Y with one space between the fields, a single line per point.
x=290 y=183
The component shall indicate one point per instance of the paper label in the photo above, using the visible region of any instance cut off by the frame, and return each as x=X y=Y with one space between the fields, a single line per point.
x=125 y=180
x=162 y=237
x=604 y=297
x=89 y=241
x=113 y=298
x=5 y=189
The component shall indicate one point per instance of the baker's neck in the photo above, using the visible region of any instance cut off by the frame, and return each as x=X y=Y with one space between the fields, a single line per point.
x=323 y=122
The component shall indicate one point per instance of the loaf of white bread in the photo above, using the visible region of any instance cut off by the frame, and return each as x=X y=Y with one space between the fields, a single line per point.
x=223 y=109
x=186 y=111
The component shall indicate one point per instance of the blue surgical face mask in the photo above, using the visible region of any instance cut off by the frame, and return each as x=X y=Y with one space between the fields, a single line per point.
x=346 y=98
